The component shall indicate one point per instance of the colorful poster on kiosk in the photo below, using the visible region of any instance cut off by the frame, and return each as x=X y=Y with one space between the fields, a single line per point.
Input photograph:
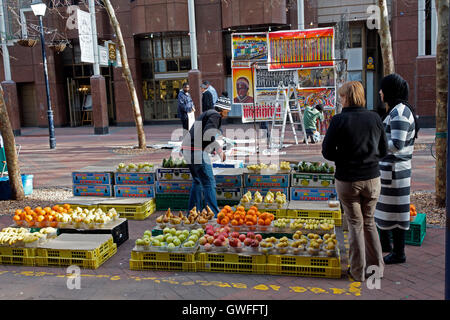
x=243 y=88
x=247 y=48
x=312 y=48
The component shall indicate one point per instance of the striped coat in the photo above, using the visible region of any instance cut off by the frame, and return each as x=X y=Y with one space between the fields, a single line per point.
x=392 y=210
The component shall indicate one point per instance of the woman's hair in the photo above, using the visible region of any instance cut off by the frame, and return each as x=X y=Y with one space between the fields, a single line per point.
x=354 y=93
x=395 y=91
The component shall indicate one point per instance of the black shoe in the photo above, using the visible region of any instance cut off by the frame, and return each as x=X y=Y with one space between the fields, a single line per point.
x=393 y=258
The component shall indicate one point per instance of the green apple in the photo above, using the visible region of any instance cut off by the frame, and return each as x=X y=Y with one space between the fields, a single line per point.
x=186 y=232
x=160 y=237
x=148 y=232
x=146 y=242
x=171 y=245
x=140 y=242
x=169 y=239
x=188 y=244
x=193 y=238
x=202 y=232
x=176 y=241
x=166 y=230
x=173 y=231
x=182 y=237
x=156 y=243
x=178 y=233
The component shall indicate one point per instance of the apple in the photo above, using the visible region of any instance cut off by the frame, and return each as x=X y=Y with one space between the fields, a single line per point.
x=169 y=239
x=248 y=241
x=221 y=238
x=171 y=245
x=218 y=243
x=235 y=234
x=227 y=229
x=251 y=235
x=210 y=239
x=173 y=231
x=166 y=230
x=210 y=232
x=178 y=233
x=242 y=237
x=255 y=243
x=234 y=242
x=182 y=237
x=216 y=234
x=176 y=241
x=203 y=241
x=258 y=237
x=208 y=247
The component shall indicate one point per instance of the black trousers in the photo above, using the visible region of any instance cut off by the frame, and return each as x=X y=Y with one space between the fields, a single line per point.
x=185 y=124
x=398 y=240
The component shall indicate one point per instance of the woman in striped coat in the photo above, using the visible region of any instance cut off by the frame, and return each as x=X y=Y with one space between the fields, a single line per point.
x=392 y=210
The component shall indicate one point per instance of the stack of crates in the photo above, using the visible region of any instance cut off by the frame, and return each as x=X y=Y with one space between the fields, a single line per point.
x=229 y=185
x=309 y=195
x=172 y=188
x=17 y=256
x=88 y=251
x=163 y=261
x=94 y=182
x=132 y=209
x=134 y=184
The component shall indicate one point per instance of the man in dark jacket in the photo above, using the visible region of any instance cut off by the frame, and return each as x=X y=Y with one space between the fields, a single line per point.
x=207 y=98
x=197 y=145
x=185 y=106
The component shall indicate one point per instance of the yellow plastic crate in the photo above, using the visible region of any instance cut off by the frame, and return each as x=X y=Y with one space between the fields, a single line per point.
x=163 y=265
x=131 y=208
x=138 y=216
x=229 y=267
x=17 y=252
x=162 y=256
x=303 y=271
x=76 y=254
x=303 y=261
x=316 y=214
x=84 y=206
x=240 y=258
x=17 y=260
x=83 y=263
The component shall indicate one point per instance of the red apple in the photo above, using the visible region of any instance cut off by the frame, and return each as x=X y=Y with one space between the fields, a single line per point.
x=203 y=241
x=218 y=243
x=216 y=235
x=235 y=234
x=251 y=235
x=242 y=237
x=255 y=243
x=210 y=239
x=258 y=237
x=207 y=247
x=221 y=238
x=248 y=241
x=234 y=242
x=210 y=232
x=227 y=229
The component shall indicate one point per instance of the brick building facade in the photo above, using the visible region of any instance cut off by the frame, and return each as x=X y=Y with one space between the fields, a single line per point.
x=156 y=34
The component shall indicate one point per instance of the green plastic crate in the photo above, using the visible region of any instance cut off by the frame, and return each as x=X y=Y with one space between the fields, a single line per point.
x=417 y=230
x=172 y=201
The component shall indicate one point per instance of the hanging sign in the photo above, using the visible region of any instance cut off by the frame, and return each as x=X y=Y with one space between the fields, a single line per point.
x=103 y=56
x=112 y=51
x=85 y=36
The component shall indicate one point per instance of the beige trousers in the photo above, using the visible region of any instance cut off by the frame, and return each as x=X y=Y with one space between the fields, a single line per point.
x=359 y=199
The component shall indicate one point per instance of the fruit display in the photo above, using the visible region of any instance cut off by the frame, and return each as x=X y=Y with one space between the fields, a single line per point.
x=239 y=242
x=285 y=166
x=132 y=167
x=281 y=223
x=313 y=167
x=22 y=237
x=267 y=246
x=63 y=216
x=215 y=238
x=174 y=163
x=282 y=247
x=271 y=200
x=321 y=225
x=250 y=218
x=171 y=239
x=194 y=218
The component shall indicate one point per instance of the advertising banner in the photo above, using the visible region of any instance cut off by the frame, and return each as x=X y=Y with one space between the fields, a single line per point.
x=311 y=48
x=248 y=47
x=85 y=36
x=242 y=86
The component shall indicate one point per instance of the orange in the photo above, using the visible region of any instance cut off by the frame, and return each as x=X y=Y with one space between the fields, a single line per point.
x=18 y=211
x=251 y=212
x=249 y=223
x=51 y=218
x=227 y=208
x=31 y=223
x=241 y=208
x=27 y=208
x=38 y=208
x=234 y=222
x=66 y=206
x=253 y=208
x=40 y=218
x=55 y=207
x=17 y=218
x=268 y=222
x=29 y=218
x=220 y=216
x=241 y=221
x=47 y=209
x=261 y=222
x=225 y=220
x=53 y=224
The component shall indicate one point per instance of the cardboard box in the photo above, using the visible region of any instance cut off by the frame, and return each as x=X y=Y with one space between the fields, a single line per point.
x=229 y=178
x=118 y=230
x=141 y=191
x=98 y=190
x=276 y=180
x=229 y=193
x=173 y=174
x=169 y=187
x=321 y=180
x=134 y=178
x=311 y=194
x=92 y=178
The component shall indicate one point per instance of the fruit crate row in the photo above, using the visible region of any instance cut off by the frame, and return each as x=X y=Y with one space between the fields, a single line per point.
x=109 y=190
x=91 y=252
x=238 y=263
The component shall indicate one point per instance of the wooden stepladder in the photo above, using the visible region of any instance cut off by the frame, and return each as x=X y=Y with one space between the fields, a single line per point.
x=285 y=107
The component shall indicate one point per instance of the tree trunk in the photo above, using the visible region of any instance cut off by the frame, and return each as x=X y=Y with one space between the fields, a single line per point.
x=442 y=7
x=385 y=39
x=15 y=179
x=127 y=74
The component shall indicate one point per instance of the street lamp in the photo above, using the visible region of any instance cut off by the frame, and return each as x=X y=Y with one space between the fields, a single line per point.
x=39 y=8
